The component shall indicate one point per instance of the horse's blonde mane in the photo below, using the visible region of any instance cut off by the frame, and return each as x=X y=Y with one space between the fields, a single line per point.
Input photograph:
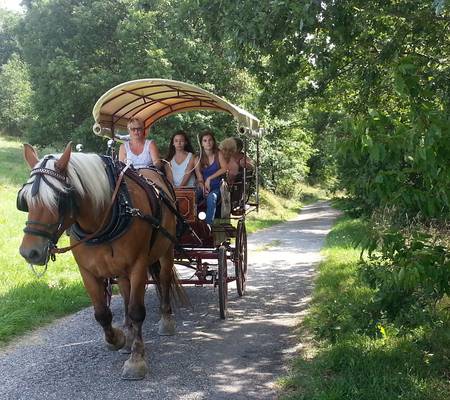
x=86 y=175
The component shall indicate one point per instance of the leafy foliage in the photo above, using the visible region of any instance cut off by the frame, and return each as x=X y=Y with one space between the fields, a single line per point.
x=408 y=264
x=77 y=50
x=375 y=76
x=355 y=351
x=8 y=36
x=16 y=111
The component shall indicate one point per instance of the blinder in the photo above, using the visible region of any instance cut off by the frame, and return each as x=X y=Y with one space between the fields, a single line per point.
x=66 y=202
x=65 y=198
x=21 y=203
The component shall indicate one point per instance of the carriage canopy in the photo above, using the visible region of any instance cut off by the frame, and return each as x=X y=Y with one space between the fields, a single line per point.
x=153 y=99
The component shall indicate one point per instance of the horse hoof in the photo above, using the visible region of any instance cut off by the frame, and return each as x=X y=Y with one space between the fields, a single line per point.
x=166 y=327
x=125 y=350
x=134 y=370
x=119 y=340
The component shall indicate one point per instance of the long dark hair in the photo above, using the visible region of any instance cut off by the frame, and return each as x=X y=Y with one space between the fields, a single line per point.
x=187 y=145
x=204 y=162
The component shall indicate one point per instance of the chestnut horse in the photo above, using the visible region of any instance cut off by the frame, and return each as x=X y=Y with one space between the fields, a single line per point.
x=75 y=188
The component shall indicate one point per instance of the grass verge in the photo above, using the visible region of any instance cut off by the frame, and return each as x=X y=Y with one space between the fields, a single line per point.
x=275 y=209
x=25 y=301
x=352 y=354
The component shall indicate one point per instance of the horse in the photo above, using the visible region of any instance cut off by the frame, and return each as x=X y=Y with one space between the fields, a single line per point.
x=71 y=190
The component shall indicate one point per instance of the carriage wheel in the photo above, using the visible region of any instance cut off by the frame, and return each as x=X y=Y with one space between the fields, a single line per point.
x=222 y=281
x=240 y=262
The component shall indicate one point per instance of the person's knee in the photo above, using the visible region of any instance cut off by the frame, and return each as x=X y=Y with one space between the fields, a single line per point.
x=212 y=198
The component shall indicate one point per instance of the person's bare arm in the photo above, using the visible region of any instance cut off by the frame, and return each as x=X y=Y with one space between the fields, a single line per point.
x=122 y=153
x=154 y=154
x=246 y=162
x=168 y=171
x=198 y=174
x=188 y=172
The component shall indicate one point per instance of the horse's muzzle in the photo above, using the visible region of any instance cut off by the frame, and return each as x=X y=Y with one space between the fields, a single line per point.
x=35 y=255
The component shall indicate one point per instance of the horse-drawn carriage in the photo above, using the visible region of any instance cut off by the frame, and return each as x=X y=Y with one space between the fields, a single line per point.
x=122 y=222
x=205 y=251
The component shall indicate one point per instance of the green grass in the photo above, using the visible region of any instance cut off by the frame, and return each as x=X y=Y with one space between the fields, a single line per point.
x=14 y=170
x=27 y=302
x=355 y=353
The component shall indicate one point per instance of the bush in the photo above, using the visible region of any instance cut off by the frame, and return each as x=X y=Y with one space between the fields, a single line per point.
x=409 y=266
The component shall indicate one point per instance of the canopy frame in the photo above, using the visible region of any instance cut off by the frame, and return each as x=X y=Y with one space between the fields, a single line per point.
x=153 y=99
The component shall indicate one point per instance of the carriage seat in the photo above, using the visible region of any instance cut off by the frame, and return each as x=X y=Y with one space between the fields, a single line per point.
x=189 y=208
x=237 y=199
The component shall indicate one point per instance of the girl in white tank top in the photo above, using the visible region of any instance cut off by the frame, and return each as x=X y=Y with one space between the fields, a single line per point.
x=180 y=149
x=179 y=170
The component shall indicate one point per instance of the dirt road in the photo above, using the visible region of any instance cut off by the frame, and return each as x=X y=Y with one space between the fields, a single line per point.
x=239 y=358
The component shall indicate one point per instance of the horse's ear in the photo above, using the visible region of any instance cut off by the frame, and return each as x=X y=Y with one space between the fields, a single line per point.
x=30 y=155
x=61 y=164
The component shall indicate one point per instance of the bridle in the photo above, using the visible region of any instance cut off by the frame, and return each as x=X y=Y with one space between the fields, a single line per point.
x=66 y=203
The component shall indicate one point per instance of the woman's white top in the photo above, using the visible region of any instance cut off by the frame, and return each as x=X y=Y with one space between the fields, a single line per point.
x=139 y=160
x=178 y=171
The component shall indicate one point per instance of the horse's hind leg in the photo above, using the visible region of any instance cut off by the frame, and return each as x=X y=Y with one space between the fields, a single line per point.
x=166 y=325
x=136 y=365
x=96 y=290
x=124 y=286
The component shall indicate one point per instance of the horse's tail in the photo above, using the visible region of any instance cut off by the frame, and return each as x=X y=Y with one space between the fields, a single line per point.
x=154 y=271
x=177 y=292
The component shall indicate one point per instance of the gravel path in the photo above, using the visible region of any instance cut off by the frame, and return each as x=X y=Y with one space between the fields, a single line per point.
x=239 y=358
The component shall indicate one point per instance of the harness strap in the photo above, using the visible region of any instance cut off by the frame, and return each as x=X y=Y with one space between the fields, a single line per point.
x=156 y=224
x=166 y=200
x=154 y=193
x=39 y=232
x=153 y=197
x=106 y=215
x=119 y=221
x=50 y=172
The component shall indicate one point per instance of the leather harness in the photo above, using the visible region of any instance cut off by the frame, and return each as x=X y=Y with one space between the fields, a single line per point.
x=122 y=210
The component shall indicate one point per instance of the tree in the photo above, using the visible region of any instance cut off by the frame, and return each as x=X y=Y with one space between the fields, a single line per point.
x=77 y=50
x=8 y=37
x=15 y=97
x=71 y=49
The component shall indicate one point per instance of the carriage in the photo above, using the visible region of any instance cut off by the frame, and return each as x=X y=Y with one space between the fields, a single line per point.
x=215 y=256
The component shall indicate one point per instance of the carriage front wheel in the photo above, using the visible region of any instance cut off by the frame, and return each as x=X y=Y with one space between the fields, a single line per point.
x=240 y=258
x=222 y=281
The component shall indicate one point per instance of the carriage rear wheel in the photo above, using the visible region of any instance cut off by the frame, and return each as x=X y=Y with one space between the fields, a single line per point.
x=222 y=281
x=240 y=258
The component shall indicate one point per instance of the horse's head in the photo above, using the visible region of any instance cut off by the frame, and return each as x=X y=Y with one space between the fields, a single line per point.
x=48 y=198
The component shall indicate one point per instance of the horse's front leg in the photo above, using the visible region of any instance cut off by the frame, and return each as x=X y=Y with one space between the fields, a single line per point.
x=136 y=366
x=96 y=290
